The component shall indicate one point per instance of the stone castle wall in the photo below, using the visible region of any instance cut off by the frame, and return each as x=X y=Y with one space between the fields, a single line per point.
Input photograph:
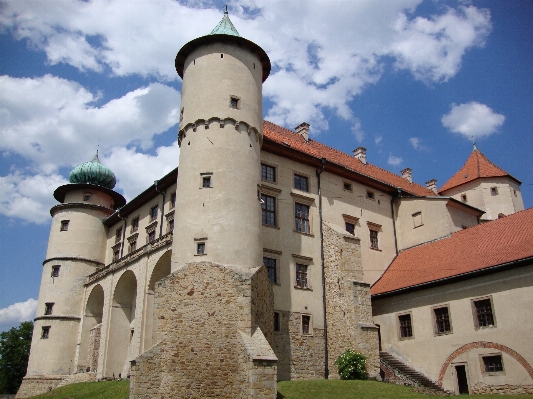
x=94 y=347
x=36 y=385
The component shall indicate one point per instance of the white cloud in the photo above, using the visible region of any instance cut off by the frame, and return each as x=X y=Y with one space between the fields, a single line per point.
x=357 y=132
x=394 y=161
x=14 y=314
x=472 y=120
x=417 y=144
x=377 y=139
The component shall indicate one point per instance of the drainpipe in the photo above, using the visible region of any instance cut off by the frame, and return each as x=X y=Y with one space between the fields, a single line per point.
x=326 y=355
x=123 y=232
x=393 y=221
x=162 y=207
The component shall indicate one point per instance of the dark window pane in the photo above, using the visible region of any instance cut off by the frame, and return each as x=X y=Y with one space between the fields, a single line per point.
x=300 y=182
x=406 y=329
x=493 y=363
x=306 y=321
x=484 y=313
x=374 y=239
x=301 y=217
x=301 y=276
x=268 y=173
x=350 y=228
x=442 y=320
x=270 y=264
x=268 y=208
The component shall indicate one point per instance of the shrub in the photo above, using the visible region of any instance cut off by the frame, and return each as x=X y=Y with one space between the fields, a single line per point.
x=351 y=365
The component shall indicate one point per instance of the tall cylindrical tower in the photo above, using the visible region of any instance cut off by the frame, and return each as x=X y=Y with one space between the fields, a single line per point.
x=76 y=246
x=220 y=136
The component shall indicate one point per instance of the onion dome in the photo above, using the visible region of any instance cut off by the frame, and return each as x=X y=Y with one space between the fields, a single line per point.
x=93 y=172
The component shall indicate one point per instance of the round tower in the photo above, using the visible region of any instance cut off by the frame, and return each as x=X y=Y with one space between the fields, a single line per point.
x=76 y=247
x=220 y=137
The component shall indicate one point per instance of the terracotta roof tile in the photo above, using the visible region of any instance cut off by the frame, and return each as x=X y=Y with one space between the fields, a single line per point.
x=289 y=138
x=476 y=166
x=494 y=243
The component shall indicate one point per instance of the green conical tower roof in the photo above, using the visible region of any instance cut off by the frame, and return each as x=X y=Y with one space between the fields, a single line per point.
x=225 y=27
x=93 y=172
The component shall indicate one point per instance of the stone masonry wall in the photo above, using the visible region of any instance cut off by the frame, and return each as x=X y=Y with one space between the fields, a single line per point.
x=36 y=385
x=94 y=347
x=485 y=389
x=348 y=306
x=299 y=356
x=213 y=326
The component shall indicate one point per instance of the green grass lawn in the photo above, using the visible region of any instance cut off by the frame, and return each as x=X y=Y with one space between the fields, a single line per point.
x=315 y=389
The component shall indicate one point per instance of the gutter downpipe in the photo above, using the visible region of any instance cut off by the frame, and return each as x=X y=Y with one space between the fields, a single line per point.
x=326 y=355
x=123 y=232
x=393 y=219
x=162 y=207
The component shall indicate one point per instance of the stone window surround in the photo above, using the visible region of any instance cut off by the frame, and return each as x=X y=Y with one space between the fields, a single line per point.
x=204 y=176
x=303 y=200
x=55 y=271
x=172 y=200
x=118 y=234
x=435 y=329
x=400 y=338
x=134 y=226
x=274 y=254
x=307 y=179
x=302 y=315
x=170 y=218
x=271 y=165
x=45 y=332
x=417 y=219
x=154 y=209
x=271 y=192
x=483 y=367
x=64 y=225
x=48 y=308
x=198 y=242
x=305 y=261
x=350 y=219
x=234 y=102
x=377 y=228
x=132 y=241
x=474 y=312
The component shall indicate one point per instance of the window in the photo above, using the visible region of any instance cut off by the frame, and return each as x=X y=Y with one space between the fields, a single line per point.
x=268 y=173
x=200 y=248
x=301 y=218
x=55 y=271
x=118 y=235
x=133 y=246
x=300 y=182
x=494 y=191
x=301 y=276
x=151 y=236
x=268 y=209
x=370 y=195
x=172 y=200
x=514 y=192
x=153 y=213
x=277 y=324
x=483 y=313
x=171 y=225
x=417 y=219
x=45 y=332
x=206 y=181
x=306 y=324
x=181 y=112
x=442 y=320
x=493 y=364
x=48 y=306
x=86 y=197
x=463 y=198
x=234 y=102
x=350 y=228
x=406 y=328
x=116 y=254
x=347 y=186
x=270 y=264
x=64 y=225
x=135 y=224
x=374 y=243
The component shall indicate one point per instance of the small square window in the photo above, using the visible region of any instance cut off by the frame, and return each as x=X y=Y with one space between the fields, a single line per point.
x=494 y=191
x=64 y=225
x=350 y=228
x=463 y=198
x=347 y=186
x=118 y=235
x=306 y=324
x=206 y=181
x=406 y=328
x=153 y=213
x=442 y=320
x=55 y=271
x=493 y=364
x=268 y=210
x=417 y=219
x=300 y=182
x=151 y=237
x=48 y=306
x=374 y=242
x=234 y=102
x=270 y=264
x=277 y=321
x=45 y=332
x=483 y=313
x=200 y=248
x=133 y=246
x=268 y=173
x=135 y=224
x=87 y=197
x=172 y=200
x=301 y=276
x=370 y=195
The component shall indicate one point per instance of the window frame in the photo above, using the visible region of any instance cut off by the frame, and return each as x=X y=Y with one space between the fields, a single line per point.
x=347 y=186
x=277 y=322
x=173 y=200
x=206 y=176
x=309 y=319
x=151 y=236
x=484 y=363
x=436 y=321
x=154 y=212
x=118 y=235
x=417 y=219
x=401 y=337
x=302 y=269
x=64 y=225
x=48 y=308
x=132 y=246
x=301 y=178
x=274 y=173
x=134 y=224
x=494 y=191
x=464 y=198
x=45 y=332
x=371 y=195
x=201 y=248
x=273 y=268
x=236 y=99
x=55 y=268
x=302 y=224
x=374 y=228
x=475 y=315
x=268 y=214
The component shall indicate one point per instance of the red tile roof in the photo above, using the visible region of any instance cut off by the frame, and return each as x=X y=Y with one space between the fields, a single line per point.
x=315 y=149
x=476 y=166
x=476 y=248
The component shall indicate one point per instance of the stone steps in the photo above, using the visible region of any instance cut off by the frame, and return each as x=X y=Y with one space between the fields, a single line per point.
x=408 y=371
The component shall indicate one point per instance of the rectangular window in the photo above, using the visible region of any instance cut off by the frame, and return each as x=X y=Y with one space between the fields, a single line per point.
x=48 y=306
x=347 y=186
x=151 y=236
x=200 y=248
x=86 y=197
x=118 y=235
x=374 y=243
x=406 y=328
x=350 y=228
x=135 y=224
x=172 y=200
x=153 y=213
x=64 y=225
x=301 y=218
x=171 y=225
x=370 y=195
x=493 y=363
x=277 y=324
x=484 y=315
x=268 y=173
x=306 y=324
x=463 y=198
x=55 y=271
x=206 y=182
x=300 y=182
x=301 y=276
x=234 y=102
x=270 y=264
x=268 y=210
x=417 y=219
x=45 y=332
x=133 y=246
x=116 y=254
x=494 y=191
x=442 y=320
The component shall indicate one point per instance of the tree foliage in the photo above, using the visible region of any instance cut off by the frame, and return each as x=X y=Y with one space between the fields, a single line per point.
x=351 y=365
x=14 y=353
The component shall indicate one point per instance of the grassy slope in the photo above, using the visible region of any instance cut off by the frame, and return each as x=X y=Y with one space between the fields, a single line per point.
x=315 y=389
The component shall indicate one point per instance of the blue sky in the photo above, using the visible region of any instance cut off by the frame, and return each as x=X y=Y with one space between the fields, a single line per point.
x=410 y=80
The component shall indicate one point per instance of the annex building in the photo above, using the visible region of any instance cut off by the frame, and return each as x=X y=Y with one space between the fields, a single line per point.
x=267 y=254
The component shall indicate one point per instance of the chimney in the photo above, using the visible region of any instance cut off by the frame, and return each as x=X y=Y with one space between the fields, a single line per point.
x=407 y=174
x=432 y=185
x=360 y=154
x=303 y=130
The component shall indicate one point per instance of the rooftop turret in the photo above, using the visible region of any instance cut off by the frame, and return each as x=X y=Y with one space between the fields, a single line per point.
x=93 y=172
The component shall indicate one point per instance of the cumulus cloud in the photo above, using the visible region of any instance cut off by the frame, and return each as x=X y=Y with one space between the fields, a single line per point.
x=394 y=161
x=472 y=120
x=14 y=314
x=357 y=131
x=417 y=144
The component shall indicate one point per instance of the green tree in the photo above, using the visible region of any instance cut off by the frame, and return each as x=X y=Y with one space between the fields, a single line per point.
x=14 y=353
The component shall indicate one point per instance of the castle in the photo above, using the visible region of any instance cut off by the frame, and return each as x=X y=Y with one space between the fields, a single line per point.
x=254 y=261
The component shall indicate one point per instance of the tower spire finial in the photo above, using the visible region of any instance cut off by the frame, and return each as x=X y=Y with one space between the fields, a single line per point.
x=474 y=143
x=225 y=9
